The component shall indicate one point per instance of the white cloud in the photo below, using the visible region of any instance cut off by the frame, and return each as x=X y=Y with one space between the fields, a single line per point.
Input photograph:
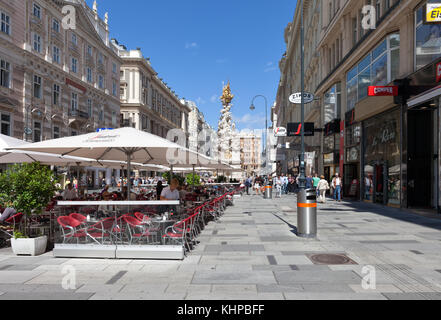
x=190 y=45
x=270 y=67
x=200 y=101
x=250 y=119
x=214 y=98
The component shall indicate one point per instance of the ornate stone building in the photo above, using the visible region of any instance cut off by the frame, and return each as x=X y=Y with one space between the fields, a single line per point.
x=147 y=102
x=58 y=77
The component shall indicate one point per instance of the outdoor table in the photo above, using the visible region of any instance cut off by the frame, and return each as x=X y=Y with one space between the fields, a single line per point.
x=163 y=225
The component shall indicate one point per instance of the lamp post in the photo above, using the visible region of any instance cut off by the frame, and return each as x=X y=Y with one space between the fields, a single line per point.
x=302 y=178
x=252 y=108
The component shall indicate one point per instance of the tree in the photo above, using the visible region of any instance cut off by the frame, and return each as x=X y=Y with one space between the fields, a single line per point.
x=193 y=180
x=28 y=188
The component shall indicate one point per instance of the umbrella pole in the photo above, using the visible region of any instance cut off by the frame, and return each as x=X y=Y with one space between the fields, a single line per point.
x=129 y=156
x=171 y=174
x=193 y=178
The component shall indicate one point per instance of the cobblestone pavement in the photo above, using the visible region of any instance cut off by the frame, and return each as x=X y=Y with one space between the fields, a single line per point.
x=253 y=253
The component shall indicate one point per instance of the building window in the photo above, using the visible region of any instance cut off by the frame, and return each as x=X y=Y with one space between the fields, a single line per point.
x=56 y=95
x=56 y=25
x=427 y=40
x=378 y=68
x=74 y=102
x=100 y=58
x=114 y=68
x=37 y=87
x=332 y=105
x=89 y=75
x=5 y=124
x=56 y=133
x=74 y=66
x=74 y=39
x=5 y=74
x=101 y=82
x=74 y=133
x=101 y=115
x=37 y=11
x=89 y=108
x=37 y=131
x=5 y=23
x=37 y=43
x=114 y=88
x=89 y=51
x=56 y=54
x=113 y=118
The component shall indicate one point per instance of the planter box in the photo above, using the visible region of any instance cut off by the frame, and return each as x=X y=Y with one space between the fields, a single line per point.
x=30 y=247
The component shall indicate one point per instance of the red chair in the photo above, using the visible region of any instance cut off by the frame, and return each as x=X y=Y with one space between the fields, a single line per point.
x=137 y=230
x=103 y=230
x=79 y=217
x=69 y=227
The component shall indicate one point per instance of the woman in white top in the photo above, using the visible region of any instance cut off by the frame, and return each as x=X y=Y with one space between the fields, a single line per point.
x=323 y=186
x=257 y=187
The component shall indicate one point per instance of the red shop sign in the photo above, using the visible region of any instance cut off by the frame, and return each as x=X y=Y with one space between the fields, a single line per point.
x=438 y=72
x=378 y=91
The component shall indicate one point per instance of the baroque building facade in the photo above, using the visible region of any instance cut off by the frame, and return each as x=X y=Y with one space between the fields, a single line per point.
x=55 y=80
x=147 y=102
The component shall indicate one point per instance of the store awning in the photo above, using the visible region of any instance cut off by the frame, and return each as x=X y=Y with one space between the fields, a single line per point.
x=424 y=97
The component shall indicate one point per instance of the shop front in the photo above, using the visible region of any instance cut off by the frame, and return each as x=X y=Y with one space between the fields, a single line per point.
x=422 y=116
x=382 y=158
x=351 y=172
x=331 y=149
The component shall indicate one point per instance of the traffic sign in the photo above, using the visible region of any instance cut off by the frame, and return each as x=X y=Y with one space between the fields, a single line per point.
x=28 y=131
x=296 y=98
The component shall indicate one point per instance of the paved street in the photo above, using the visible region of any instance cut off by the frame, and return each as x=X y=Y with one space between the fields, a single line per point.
x=254 y=254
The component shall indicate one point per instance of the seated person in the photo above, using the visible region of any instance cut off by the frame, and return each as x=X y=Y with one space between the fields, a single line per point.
x=124 y=194
x=70 y=193
x=183 y=192
x=7 y=213
x=171 y=192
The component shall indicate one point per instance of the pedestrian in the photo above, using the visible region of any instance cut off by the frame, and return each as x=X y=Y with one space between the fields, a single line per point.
x=337 y=185
x=248 y=185
x=159 y=188
x=257 y=186
x=309 y=182
x=278 y=187
x=322 y=187
x=316 y=181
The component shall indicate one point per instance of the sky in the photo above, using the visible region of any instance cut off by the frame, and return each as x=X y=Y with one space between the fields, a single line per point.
x=196 y=46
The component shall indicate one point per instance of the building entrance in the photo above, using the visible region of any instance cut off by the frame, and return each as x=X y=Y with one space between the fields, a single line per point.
x=420 y=157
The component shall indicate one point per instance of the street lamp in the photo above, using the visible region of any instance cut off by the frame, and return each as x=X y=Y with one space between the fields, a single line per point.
x=252 y=108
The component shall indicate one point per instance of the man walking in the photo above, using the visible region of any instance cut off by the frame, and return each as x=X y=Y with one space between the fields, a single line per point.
x=285 y=184
x=337 y=184
x=316 y=181
x=248 y=184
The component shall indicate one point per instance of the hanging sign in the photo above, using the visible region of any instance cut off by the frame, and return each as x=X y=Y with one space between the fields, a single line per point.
x=379 y=91
x=432 y=13
x=296 y=98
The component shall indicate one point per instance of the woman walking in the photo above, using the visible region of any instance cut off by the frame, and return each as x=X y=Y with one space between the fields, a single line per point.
x=323 y=187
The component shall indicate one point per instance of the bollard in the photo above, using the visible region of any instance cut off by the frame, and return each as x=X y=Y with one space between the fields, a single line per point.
x=268 y=192
x=307 y=213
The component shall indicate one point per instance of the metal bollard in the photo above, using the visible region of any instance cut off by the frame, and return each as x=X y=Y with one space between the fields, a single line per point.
x=307 y=213
x=268 y=192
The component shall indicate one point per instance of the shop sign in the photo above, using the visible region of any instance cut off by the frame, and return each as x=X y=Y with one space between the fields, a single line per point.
x=329 y=158
x=280 y=132
x=433 y=13
x=350 y=117
x=295 y=129
x=385 y=137
x=438 y=72
x=332 y=127
x=296 y=98
x=380 y=91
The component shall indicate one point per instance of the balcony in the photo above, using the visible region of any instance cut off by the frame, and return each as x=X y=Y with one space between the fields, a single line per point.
x=78 y=116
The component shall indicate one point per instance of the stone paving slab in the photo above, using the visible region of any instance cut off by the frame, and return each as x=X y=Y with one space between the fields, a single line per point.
x=253 y=253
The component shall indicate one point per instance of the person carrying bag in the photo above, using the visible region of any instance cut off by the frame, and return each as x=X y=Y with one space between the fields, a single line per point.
x=323 y=186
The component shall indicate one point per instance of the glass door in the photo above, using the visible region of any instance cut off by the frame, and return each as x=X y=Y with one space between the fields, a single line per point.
x=380 y=183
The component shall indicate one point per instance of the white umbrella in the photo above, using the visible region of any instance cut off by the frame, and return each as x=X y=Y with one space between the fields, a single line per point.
x=17 y=156
x=119 y=145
